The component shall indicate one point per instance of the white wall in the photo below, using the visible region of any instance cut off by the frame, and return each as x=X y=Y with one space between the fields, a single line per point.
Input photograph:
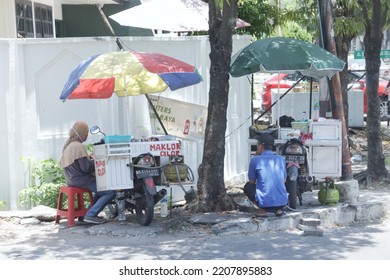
x=294 y=103
x=4 y=140
x=34 y=122
x=7 y=19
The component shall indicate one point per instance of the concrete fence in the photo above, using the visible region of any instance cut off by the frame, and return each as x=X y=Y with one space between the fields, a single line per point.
x=34 y=123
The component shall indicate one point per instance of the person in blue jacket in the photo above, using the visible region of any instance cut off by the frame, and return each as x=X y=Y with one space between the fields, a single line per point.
x=267 y=175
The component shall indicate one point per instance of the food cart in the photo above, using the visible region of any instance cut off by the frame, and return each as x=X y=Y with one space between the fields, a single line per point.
x=114 y=158
x=324 y=149
x=323 y=137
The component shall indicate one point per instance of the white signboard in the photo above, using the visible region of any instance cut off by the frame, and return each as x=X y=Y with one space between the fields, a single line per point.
x=181 y=119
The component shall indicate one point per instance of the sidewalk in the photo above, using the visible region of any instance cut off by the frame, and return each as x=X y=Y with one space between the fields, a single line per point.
x=372 y=205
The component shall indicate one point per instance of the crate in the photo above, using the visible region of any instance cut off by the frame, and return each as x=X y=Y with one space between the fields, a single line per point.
x=302 y=126
x=289 y=133
x=118 y=149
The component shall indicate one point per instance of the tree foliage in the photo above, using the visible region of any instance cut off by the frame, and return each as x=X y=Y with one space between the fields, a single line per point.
x=261 y=14
x=292 y=29
x=268 y=17
x=305 y=14
x=347 y=19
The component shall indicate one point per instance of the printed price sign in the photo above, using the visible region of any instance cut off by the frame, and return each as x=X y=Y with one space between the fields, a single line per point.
x=100 y=167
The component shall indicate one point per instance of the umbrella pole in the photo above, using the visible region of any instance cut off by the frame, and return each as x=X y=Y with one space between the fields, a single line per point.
x=279 y=97
x=155 y=112
x=99 y=7
x=127 y=114
x=252 y=95
x=311 y=97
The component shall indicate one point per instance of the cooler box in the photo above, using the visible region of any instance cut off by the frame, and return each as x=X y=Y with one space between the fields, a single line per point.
x=112 y=166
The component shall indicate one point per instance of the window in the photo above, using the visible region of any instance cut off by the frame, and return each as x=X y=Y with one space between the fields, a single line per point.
x=25 y=19
x=43 y=21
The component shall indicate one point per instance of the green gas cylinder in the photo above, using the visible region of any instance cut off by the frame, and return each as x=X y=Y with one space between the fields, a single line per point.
x=328 y=194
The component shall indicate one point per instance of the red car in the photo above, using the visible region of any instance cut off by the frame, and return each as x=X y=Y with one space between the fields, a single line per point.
x=383 y=89
x=288 y=80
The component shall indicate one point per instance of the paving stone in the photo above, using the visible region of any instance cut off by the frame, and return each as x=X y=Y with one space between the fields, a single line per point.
x=313 y=231
x=310 y=222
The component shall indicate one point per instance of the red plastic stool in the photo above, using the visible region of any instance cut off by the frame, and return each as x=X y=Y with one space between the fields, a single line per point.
x=71 y=212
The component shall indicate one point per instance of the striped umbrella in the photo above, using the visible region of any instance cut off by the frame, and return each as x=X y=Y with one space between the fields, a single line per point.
x=128 y=73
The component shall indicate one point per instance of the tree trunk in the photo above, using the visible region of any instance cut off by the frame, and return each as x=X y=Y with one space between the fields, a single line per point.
x=212 y=194
x=372 y=42
x=343 y=40
x=338 y=109
x=343 y=44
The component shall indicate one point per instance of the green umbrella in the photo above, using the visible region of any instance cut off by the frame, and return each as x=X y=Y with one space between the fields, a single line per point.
x=285 y=55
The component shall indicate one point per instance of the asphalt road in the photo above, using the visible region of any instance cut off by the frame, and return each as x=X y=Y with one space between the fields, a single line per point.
x=49 y=242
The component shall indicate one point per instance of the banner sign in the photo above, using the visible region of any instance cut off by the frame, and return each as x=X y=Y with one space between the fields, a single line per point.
x=181 y=119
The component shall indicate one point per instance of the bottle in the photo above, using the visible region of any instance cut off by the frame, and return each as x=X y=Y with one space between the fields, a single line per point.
x=316 y=111
x=304 y=117
x=164 y=207
x=200 y=126
x=120 y=203
x=187 y=127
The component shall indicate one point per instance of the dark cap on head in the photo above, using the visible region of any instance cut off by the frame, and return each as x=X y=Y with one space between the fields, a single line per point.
x=267 y=140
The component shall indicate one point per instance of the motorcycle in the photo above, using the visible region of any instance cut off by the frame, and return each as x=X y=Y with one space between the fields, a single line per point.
x=298 y=178
x=142 y=196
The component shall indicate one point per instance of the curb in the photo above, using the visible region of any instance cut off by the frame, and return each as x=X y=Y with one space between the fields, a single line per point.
x=338 y=215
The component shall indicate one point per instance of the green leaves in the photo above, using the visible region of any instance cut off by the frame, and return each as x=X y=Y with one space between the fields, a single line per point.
x=46 y=178
x=2 y=205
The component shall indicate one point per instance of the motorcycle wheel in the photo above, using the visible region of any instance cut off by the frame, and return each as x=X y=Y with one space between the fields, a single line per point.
x=145 y=209
x=292 y=194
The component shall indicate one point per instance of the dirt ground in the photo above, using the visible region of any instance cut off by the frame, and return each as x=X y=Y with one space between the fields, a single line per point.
x=359 y=151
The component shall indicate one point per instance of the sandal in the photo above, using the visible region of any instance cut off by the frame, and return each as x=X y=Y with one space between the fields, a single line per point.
x=279 y=213
x=261 y=214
